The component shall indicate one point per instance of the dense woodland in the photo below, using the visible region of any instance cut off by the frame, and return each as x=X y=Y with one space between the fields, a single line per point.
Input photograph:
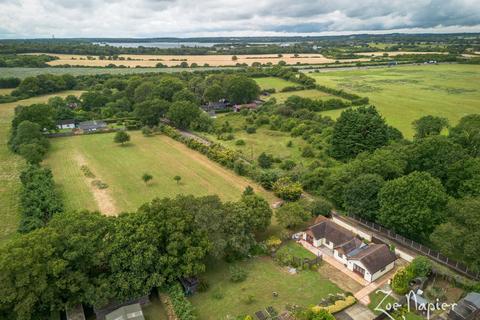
x=427 y=189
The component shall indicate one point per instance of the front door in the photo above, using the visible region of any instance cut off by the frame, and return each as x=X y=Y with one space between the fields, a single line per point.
x=358 y=270
x=310 y=239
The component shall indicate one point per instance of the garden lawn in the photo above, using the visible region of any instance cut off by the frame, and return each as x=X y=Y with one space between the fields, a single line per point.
x=121 y=168
x=263 y=140
x=264 y=277
x=11 y=165
x=274 y=83
x=405 y=93
x=312 y=94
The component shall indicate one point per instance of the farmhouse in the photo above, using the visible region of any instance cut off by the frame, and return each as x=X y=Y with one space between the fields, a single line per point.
x=370 y=261
x=221 y=105
x=91 y=126
x=66 y=124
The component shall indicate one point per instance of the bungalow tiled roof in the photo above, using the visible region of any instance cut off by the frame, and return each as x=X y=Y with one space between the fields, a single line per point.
x=374 y=257
x=330 y=231
x=349 y=246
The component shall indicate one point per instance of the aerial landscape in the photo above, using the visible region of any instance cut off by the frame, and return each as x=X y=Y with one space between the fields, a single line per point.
x=226 y=160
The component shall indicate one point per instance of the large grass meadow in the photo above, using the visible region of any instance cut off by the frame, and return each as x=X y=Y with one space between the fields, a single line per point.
x=11 y=165
x=263 y=140
x=405 y=93
x=121 y=168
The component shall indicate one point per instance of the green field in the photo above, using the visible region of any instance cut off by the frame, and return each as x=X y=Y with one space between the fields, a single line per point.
x=264 y=140
x=29 y=72
x=226 y=300
x=312 y=94
x=405 y=93
x=11 y=165
x=121 y=167
x=274 y=83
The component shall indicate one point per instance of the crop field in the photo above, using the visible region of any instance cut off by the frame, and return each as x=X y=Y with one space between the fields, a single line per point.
x=121 y=168
x=226 y=300
x=31 y=72
x=263 y=140
x=11 y=166
x=274 y=83
x=404 y=94
x=312 y=94
x=133 y=60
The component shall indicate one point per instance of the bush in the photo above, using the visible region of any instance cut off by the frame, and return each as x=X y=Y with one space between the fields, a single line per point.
x=288 y=165
x=182 y=306
x=338 y=305
x=240 y=142
x=39 y=200
x=250 y=130
x=321 y=207
x=307 y=152
x=401 y=280
x=286 y=189
x=203 y=285
x=420 y=266
x=237 y=274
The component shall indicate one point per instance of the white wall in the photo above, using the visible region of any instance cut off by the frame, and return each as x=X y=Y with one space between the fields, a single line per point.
x=362 y=234
x=380 y=273
x=339 y=257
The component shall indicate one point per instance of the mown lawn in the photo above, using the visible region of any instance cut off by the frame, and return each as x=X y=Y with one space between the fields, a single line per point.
x=11 y=165
x=122 y=167
x=274 y=83
x=226 y=300
x=405 y=93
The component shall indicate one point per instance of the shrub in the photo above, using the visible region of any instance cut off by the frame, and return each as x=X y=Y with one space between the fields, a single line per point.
x=240 y=142
x=265 y=160
x=182 y=306
x=287 y=189
x=321 y=207
x=249 y=299
x=203 y=285
x=237 y=274
x=87 y=172
x=401 y=280
x=420 y=266
x=288 y=165
x=251 y=130
x=337 y=306
x=307 y=152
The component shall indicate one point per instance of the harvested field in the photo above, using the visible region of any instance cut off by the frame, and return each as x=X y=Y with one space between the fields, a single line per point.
x=133 y=60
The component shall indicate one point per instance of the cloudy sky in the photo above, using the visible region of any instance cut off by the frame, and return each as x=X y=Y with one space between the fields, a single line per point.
x=187 y=18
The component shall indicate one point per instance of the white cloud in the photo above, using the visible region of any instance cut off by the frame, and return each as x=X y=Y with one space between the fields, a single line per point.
x=184 y=18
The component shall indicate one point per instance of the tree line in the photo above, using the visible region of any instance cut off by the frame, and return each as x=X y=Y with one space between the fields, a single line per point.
x=84 y=257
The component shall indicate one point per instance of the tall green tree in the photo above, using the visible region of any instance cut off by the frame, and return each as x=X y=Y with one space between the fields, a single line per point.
x=149 y=112
x=356 y=131
x=292 y=215
x=434 y=155
x=429 y=126
x=361 y=196
x=241 y=89
x=467 y=134
x=458 y=237
x=183 y=113
x=412 y=205
x=60 y=265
